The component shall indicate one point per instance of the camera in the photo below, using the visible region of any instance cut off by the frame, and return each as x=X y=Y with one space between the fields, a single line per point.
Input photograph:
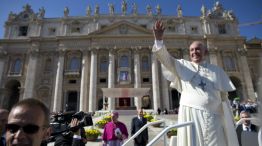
x=60 y=124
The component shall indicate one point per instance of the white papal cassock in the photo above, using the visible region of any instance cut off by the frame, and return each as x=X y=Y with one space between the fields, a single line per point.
x=201 y=86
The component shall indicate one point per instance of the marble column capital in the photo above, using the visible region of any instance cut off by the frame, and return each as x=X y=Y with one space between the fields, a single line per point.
x=34 y=51
x=242 y=51
x=61 y=51
x=136 y=49
x=112 y=50
x=84 y=51
x=3 y=53
x=213 y=50
x=94 y=49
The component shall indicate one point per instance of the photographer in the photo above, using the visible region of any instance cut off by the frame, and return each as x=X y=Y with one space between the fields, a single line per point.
x=75 y=137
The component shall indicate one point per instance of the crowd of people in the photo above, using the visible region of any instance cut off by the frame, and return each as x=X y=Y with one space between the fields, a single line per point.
x=247 y=105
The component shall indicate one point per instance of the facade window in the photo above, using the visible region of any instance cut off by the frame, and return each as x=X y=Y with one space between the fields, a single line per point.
x=75 y=29
x=17 y=66
x=103 y=64
x=221 y=28
x=74 y=64
x=102 y=80
x=124 y=61
x=194 y=30
x=145 y=64
x=146 y=80
x=51 y=31
x=48 y=65
x=123 y=76
x=23 y=31
x=171 y=26
x=229 y=63
x=123 y=73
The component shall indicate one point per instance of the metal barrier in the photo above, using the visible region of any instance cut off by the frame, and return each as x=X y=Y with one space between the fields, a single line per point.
x=176 y=126
x=143 y=128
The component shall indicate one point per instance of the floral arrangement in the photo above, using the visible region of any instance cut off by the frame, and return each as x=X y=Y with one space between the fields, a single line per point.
x=101 y=123
x=172 y=132
x=92 y=133
x=237 y=118
x=149 y=117
x=107 y=118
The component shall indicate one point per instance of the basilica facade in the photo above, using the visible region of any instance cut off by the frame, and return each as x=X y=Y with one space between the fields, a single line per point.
x=77 y=62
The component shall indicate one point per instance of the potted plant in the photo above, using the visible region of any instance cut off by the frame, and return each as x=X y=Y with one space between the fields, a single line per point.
x=172 y=132
x=101 y=123
x=92 y=134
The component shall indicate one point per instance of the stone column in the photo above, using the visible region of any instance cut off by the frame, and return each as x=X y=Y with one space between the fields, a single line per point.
x=84 y=81
x=137 y=75
x=185 y=52
x=93 y=78
x=155 y=83
x=31 y=72
x=213 y=56
x=165 y=95
x=111 y=78
x=2 y=64
x=246 y=74
x=59 y=82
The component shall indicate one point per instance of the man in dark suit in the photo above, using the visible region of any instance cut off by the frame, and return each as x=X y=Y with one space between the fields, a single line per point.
x=138 y=122
x=246 y=125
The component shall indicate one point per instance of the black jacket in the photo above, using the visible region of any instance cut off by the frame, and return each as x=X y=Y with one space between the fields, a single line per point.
x=239 y=130
x=136 y=124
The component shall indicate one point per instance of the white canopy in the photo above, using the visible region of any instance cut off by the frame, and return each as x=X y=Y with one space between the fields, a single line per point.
x=125 y=92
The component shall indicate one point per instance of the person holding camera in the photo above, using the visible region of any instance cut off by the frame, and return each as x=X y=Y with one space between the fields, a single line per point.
x=75 y=136
x=115 y=132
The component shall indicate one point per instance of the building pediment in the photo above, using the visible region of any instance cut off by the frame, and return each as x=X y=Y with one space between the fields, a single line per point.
x=254 y=40
x=122 y=28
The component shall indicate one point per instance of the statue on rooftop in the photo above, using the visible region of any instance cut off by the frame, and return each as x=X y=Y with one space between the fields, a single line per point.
x=179 y=11
x=158 y=9
x=66 y=12
x=111 y=9
x=97 y=10
x=41 y=12
x=149 y=10
x=88 y=11
x=124 y=7
x=11 y=16
x=231 y=15
x=203 y=11
x=134 y=9
x=27 y=7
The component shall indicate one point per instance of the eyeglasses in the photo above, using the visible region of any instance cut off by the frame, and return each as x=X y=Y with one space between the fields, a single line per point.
x=29 y=128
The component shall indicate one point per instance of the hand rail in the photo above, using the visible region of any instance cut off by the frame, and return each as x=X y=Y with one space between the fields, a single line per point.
x=142 y=129
x=192 y=124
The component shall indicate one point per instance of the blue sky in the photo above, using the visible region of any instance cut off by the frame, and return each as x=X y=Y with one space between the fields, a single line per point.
x=245 y=10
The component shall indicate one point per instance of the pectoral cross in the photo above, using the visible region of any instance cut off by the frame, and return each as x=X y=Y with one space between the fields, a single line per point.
x=202 y=85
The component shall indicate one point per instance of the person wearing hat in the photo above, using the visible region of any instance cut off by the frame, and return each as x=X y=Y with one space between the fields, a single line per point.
x=115 y=132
